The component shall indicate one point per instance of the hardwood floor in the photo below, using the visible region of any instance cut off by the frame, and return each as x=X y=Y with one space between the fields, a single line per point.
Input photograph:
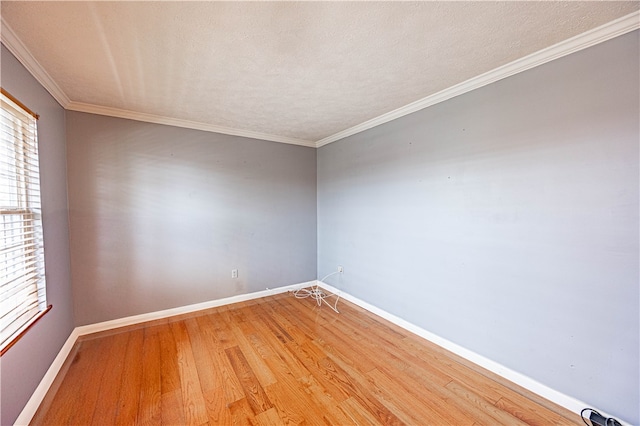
x=280 y=360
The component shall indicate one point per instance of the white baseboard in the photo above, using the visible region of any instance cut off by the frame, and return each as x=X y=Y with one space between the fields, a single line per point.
x=563 y=400
x=136 y=319
x=526 y=382
x=38 y=395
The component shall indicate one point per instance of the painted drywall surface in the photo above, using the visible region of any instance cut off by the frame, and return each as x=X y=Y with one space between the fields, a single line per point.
x=160 y=215
x=24 y=365
x=506 y=221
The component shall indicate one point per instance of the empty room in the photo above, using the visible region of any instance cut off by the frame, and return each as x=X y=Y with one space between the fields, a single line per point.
x=270 y=213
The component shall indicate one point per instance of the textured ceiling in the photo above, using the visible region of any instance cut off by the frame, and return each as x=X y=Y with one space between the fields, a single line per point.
x=300 y=70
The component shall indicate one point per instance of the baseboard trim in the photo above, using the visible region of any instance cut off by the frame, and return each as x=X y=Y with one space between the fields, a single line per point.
x=572 y=404
x=151 y=316
x=520 y=379
x=39 y=394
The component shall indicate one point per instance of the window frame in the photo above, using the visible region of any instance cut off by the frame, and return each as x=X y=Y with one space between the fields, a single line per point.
x=21 y=162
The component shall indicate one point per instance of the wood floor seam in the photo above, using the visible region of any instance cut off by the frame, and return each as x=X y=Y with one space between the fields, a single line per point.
x=281 y=361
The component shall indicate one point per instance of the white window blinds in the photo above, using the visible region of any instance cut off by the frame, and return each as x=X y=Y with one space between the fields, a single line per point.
x=22 y=277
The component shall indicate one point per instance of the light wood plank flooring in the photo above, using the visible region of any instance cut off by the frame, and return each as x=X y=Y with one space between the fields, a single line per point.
x=280 y=360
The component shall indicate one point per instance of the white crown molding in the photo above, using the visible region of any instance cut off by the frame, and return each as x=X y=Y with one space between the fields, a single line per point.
x=20 y=51
x=24 y=56
x=582 y=41
x=177 y=122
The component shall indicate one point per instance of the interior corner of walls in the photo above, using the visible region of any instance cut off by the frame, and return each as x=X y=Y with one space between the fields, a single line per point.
x=18 y=49
x=186 y=124
x=43 y=387
x=151 y=316
x=607 y=31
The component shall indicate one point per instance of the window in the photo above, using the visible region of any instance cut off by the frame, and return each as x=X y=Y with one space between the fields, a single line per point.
x=22 y=279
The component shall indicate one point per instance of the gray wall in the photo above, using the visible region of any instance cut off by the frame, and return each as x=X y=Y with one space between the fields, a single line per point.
x=24 y=365
x=160 y=215
x=505 y=220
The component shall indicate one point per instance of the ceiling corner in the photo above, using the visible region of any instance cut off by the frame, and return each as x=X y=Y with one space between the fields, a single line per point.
x=615 y=28
x=20 y=51
x=187 y=124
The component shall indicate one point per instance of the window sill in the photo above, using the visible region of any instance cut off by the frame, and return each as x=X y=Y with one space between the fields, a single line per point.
x=18 y=336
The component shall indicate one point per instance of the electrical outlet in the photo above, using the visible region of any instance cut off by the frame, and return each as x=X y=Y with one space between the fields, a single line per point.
x=234 y=273
x=340 y=269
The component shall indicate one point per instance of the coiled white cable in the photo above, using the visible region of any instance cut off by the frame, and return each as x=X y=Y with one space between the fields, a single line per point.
x=317 y=294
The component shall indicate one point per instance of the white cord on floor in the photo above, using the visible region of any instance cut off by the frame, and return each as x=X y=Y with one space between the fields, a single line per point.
x=317 y=294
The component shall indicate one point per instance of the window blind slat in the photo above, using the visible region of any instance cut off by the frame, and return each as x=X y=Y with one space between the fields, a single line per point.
x=19 y=296
x=11 y=328
x=19 y=214
x=11 y=125
x=21 y=281
x=25 y=301
x=7 y=256
x=14 y=114
x=11 y=108
x=17 y=271
x=16 y=182
x=18 y=301
x=18 y=247
x=18 y=268
x=11 y=133
x=18 y=233
x=26 y=309
x=12 y=299
x=13 y=152
x=16 y=157
x=27 y=167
